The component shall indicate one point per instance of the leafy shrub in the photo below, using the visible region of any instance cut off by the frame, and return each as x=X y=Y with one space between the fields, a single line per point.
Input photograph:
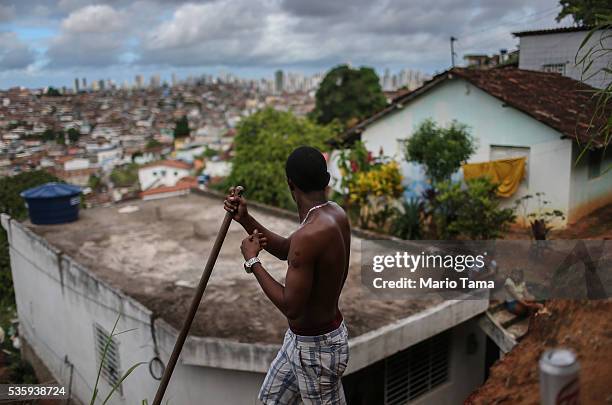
x=125 y=176
x=440 y=150
x=472 y=212
x=407 y=220
x=371 y=185
x=12 y=204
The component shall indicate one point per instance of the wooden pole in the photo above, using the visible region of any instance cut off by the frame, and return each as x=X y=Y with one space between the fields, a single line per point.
x=193 y=309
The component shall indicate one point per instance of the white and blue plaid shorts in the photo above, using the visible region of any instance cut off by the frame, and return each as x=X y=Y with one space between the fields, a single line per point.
x=308 y=368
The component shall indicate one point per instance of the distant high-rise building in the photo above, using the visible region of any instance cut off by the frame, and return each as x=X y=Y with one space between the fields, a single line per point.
x=84 y=80
x=155 y=81
x=76 y=85
x=139 y=82
x=386 y=81
x=279 y=79
x=174 y=82
x=101 y=84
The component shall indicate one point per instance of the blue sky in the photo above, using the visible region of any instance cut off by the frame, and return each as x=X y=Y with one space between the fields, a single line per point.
x=46 y=42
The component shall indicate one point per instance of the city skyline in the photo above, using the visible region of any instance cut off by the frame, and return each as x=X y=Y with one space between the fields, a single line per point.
x=50 y=43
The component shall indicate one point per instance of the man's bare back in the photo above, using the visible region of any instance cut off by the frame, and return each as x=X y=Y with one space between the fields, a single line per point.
x=326 y=232
x=315 y=349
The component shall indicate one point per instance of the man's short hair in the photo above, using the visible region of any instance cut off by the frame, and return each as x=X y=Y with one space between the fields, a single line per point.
x=307 y=169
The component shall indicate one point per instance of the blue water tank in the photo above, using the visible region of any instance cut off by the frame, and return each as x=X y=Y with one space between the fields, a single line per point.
x=53 y=203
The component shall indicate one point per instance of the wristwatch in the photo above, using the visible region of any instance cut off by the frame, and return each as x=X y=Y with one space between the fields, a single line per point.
x=248 y=265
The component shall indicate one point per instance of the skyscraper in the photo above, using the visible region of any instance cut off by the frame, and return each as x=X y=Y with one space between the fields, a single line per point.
x=279 y=78
x=155 y=81
x=76 y=85
x=139 y=81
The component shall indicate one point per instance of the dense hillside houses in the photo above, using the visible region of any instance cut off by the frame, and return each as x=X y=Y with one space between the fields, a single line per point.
x=512 y=113
x=77 y=134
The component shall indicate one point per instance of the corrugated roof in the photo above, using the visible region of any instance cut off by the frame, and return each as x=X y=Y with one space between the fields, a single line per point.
x=51 y=190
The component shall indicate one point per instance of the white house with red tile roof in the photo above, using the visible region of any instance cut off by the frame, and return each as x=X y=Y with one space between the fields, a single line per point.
x=544 y=117
x=165 y=173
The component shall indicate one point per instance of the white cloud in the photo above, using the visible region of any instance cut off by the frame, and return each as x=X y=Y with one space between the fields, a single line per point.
x=94 y=19
x=90 y=36
x=208 y=33
x=7 y=12
x=14 y=53
x=273 y=33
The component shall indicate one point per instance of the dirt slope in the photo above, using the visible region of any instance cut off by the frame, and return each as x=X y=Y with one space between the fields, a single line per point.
x=583 y=326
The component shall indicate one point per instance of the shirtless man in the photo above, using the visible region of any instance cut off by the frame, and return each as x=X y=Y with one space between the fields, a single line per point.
x=314 y=353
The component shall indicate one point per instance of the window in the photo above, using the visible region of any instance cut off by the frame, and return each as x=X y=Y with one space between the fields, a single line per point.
x=155 y=174
x=111 y=367
x=595 y=160
x=554 y=68
x=417 y=370
x=163 y=173
x=175 y=173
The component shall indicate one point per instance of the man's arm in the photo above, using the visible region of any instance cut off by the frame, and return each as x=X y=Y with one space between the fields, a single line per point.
x=291 y=299
x=276 y=244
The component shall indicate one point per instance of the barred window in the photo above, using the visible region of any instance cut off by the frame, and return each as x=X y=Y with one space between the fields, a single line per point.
x=111 y=367
x=417 y=370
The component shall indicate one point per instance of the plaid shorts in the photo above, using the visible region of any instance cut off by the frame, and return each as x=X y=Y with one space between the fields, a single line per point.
x=308 y=368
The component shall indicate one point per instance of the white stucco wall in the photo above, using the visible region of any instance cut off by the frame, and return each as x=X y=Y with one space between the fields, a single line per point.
x=587 y=194
x=108 y=158
x=58 y=302
x=221 y=168
x=160 y=176
x=561 y=48
x=492 y=124
x=77 y=164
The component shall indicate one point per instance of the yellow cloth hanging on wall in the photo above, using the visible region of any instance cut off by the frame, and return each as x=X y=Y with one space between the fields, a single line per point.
x=507 y=173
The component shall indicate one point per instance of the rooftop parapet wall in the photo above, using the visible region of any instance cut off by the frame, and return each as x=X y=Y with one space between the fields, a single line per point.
x=114 y=258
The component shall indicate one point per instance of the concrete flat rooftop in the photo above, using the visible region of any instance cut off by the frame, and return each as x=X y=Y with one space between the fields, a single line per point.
x=156 y=255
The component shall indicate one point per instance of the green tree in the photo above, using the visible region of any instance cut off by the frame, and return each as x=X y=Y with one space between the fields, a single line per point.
x=12 y=204
x=440 y=150
x=153 y=143
x=585 y=12
x=262 y=145
x=60 y=138
x=472 y=212
x=73 y=135
x=95 y=182
x=181 y=128
x=348 y=95
x=125 y=176
x=53 y=92
x=48 y=135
